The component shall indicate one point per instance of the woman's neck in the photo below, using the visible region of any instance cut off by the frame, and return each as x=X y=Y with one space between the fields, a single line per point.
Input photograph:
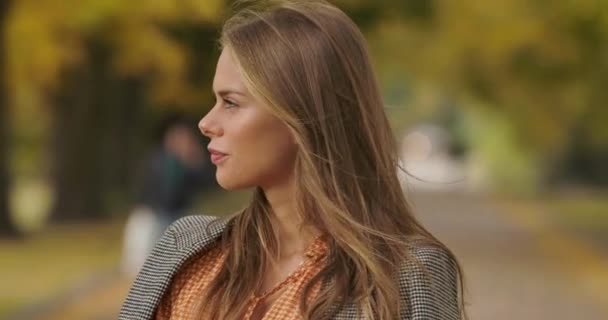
x=293 y=235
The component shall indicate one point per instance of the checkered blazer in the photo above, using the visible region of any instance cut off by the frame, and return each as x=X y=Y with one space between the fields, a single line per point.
x=432 y=298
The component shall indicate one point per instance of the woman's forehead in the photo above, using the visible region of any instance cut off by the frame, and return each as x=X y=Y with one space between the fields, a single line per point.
x=228 y=78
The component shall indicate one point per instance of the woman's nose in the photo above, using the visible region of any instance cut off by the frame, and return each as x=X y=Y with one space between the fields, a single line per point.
x=208 y=127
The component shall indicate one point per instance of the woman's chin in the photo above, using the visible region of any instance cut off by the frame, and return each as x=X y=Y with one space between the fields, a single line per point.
x=231 y=184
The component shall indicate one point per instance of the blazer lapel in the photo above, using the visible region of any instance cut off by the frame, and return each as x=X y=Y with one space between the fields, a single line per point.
x=183 y=240
x=348 y=311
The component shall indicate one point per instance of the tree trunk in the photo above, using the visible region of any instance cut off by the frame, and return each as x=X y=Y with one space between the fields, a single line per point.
x=78 y=123
x=7 y=226
x=95 y=133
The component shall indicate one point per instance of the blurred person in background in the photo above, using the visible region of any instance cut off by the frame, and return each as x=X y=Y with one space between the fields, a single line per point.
x=328 y=232
x=169 y=179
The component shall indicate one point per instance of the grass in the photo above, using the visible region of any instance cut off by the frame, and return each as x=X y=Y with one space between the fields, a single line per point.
x=50 y=262
x=581 y=211
x=582 y=214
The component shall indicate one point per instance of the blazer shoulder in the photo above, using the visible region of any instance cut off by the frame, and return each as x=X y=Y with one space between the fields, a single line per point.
x=429 y=283
x=189 y=222
x=431 y=257
x=193 y=229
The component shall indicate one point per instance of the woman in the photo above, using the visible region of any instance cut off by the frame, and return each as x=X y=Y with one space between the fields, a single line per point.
x=328 y=233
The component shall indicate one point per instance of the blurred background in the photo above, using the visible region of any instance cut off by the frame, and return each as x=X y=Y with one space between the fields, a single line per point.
x=500 y=108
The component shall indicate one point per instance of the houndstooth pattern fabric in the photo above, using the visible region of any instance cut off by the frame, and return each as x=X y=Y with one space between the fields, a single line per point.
x=432 y=296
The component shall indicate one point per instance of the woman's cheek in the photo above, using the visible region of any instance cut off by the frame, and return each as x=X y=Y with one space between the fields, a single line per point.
x=237 y=173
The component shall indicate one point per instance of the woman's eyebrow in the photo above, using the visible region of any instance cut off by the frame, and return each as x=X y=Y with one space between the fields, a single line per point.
x=226 y=92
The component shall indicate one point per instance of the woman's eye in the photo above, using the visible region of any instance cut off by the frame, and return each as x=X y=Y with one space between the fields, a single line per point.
x=229 y=103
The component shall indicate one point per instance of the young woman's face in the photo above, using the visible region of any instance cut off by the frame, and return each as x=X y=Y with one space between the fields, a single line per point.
x=256 y=149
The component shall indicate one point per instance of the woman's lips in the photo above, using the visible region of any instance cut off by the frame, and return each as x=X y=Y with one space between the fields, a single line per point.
x=217 y=157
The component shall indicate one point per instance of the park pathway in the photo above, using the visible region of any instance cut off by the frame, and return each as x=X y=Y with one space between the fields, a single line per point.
x=513 y=268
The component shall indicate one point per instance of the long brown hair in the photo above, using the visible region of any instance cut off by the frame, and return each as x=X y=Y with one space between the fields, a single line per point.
x=308 y=62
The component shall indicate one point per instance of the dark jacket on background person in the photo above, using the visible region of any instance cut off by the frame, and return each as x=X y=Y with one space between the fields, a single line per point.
x=168 y=187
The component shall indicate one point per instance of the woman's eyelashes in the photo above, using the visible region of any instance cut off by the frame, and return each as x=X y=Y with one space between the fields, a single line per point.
x=229 y=103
